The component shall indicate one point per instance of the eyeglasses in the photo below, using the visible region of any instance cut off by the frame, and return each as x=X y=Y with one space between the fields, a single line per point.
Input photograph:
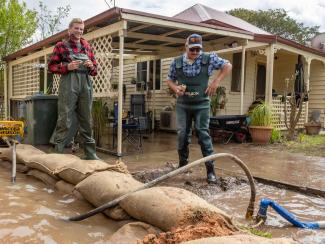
x=195 y=49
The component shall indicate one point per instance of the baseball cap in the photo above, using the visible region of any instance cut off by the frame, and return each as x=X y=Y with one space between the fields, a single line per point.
x=194 y=40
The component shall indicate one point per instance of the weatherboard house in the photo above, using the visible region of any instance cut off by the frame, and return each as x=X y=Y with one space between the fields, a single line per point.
x=134 y=50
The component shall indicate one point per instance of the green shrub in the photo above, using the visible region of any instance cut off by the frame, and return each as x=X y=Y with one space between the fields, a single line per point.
x=276 y=136
x=261 y=115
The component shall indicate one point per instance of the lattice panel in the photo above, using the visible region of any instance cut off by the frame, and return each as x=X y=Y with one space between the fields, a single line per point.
x=55 y=84
x=102 y=48
x=26 y=78
x=278 y=114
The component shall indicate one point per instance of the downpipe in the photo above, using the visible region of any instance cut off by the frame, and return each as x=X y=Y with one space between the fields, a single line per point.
x=14 y=157
x=250 y=208
x=262 y=215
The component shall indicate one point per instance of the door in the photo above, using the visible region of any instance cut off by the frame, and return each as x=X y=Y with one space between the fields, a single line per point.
x=260 y=81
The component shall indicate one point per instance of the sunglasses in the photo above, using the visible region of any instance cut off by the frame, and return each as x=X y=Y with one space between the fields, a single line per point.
x=197 y=50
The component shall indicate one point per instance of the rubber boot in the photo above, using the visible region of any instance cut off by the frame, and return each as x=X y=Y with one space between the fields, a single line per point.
x=211 y=175
x=182 y=163
x=59 y=148
x=90 y=151
x=183 y=157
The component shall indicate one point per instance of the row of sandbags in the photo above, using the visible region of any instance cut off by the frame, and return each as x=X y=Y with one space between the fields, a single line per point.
x=164 y=208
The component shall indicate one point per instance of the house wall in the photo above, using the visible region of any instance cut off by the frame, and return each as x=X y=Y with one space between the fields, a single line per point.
x=162 y=99
x=317 y=88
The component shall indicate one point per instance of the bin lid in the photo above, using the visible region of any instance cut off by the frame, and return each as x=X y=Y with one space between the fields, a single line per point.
x=41 y=97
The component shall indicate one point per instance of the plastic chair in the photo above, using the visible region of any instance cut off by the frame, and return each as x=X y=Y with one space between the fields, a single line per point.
x=131 y=130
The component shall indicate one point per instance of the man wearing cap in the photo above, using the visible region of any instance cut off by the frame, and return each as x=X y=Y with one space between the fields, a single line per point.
x=75 y=62
x=188 y=78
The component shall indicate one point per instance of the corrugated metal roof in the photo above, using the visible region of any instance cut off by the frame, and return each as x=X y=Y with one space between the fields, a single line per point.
x=203 y=14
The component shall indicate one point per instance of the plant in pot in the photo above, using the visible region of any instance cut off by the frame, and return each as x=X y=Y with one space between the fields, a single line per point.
x=260 y=126
x=219 y=100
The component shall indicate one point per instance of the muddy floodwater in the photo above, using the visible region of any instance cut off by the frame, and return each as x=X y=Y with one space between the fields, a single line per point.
x=232 y=195
x=30 y=213
x=306 y=208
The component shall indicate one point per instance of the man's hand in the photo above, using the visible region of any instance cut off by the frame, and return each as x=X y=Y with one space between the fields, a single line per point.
x=180 y=90
x=211 y=90
x=89 y=64
x=74 y=65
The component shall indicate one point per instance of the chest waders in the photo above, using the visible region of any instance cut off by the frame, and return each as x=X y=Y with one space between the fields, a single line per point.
x=75 y=103
x=194 y=105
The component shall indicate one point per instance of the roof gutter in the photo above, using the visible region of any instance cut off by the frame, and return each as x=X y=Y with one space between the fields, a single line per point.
x=274 y=39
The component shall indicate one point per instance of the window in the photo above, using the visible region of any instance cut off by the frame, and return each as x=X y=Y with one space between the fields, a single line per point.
x=142 y=73
x=142 y=76
x=157 y=75
x=236 y=72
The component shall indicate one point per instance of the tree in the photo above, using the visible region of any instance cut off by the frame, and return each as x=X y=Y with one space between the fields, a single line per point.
x=48 y=23
x=17 y=25
x=277 y=22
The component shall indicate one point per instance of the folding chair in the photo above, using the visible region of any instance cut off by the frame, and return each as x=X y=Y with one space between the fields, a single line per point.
x=131 y=130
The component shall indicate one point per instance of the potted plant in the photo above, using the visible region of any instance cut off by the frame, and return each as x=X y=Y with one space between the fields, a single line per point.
x=219 y=100
x=312 y=128
x=260 y=126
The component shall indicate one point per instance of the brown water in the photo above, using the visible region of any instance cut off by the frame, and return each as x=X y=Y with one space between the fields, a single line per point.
x=30 y=213
x=233 y=194
x=306 y=208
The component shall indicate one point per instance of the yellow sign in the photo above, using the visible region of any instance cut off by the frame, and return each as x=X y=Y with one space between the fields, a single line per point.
x=11 y=128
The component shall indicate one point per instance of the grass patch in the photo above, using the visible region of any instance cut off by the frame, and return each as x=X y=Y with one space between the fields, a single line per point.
x=309 y=145
x=260 y=233
x=256 y=232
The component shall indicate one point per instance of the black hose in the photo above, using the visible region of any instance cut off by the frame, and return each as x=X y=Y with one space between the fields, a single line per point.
x=249 y=211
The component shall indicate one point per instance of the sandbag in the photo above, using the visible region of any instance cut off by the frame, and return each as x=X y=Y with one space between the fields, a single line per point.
x=167 y=207
x=50 y=163
x=102 y=187
x=81 y=169
x=22 y=168
x=24 y=152
x=132 y=233
x=78 y=195
x=241 y=239
x=117 y=213
x=64 y=187
x=45 y=178
x=6 y=153
x=105 y=186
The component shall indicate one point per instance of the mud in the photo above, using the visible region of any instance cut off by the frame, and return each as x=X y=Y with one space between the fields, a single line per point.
x=194 y=227
x=190 y=181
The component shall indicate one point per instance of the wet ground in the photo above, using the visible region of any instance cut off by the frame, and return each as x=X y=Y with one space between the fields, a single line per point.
x=30 y=211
